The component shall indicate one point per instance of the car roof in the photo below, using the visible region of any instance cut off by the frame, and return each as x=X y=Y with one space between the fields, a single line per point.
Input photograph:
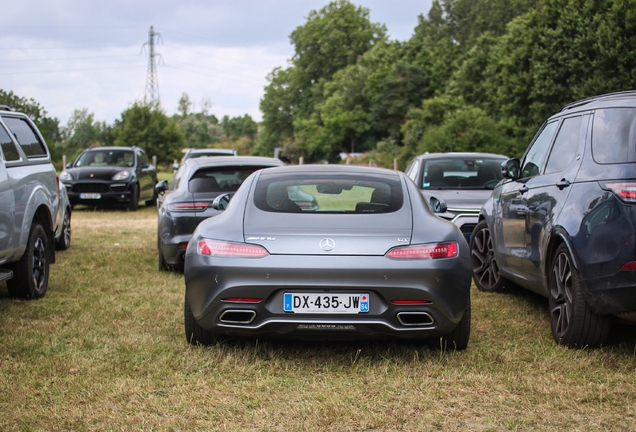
x=624 y=98
x=461 y=155
x=331 y=169
x=211 y=150
x=111 y=148
x=211 y=161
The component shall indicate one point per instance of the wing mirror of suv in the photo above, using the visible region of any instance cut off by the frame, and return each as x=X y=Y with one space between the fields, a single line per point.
x=221 y=202
x=161 y=187
x=511 y=169
x=438 y=205
x=69 y=165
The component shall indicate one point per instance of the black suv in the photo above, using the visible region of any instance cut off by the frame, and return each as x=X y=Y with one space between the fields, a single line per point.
x=563 y=221
x=103 y=176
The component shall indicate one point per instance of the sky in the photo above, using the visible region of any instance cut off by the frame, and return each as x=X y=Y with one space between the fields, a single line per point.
x=72 y=54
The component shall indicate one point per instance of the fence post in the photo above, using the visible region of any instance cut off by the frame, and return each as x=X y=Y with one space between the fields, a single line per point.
x=154 y=161
x=63 y=162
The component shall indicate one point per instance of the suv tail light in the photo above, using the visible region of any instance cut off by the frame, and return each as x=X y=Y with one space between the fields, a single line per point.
x=190 y=206
x=624 y=190
x=225 y=249
x=425 y=251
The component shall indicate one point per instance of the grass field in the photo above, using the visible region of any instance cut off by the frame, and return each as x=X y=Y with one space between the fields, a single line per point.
x=105 y=350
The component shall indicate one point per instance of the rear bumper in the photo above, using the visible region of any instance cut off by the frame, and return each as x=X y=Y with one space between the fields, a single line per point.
x=612 y=295
x=444 y=283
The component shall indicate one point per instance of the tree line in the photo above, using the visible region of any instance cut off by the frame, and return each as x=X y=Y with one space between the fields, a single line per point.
x=142 y=124
x=476 y=75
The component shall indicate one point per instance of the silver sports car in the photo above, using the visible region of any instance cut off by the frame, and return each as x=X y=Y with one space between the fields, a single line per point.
x=371 y=260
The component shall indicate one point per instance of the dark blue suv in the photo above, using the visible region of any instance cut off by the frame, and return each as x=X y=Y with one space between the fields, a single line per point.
x=562 y=223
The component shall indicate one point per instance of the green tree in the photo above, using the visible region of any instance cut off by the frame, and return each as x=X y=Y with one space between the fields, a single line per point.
x=147 y=127
x=49 y=126
x=82 y=131
x=242 y=126
x=331 y=39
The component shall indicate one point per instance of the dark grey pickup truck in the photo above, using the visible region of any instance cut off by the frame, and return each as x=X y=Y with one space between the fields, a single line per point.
x=29 y=200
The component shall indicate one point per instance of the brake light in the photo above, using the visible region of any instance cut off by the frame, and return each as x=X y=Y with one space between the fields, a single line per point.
x=191 y=206
x=242 y=300
x=230 y=249
x=625 y=190
x=410 y=302
x=425 y=251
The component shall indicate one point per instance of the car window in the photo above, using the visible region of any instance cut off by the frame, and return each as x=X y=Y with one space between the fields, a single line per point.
x=413 y=169
x=119 y=158
x=565 y=145
x=8 y=148
x=536 y=152
x=331 y=194
x=141 y=156
x=26 y=137
x=461 y=173
x=220 y=179
x=614 y=135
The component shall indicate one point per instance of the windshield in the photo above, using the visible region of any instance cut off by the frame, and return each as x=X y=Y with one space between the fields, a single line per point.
x=120 y=158
x=461 y=173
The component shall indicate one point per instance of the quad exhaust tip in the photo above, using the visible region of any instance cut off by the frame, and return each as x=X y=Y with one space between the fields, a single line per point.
x=237 y=316
x=411 y=319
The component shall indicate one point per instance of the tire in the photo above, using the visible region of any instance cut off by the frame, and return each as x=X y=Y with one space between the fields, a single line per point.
x=31 y=272
x=457 y=340
x=64 y=242
x=482 y=256
x=194 y=333
x=163 y=265
x=134 y=198
x=572 y=321
x=153 y=201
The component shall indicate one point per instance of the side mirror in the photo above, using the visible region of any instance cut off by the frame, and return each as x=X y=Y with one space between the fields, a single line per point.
x=438 y=205
x=175 y=166
x=221 y=202
x=69 y=165
x=511 y=169
x=161 y=187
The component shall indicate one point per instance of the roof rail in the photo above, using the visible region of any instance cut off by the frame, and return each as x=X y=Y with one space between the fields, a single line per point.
x=599 y=98
x=5 y=108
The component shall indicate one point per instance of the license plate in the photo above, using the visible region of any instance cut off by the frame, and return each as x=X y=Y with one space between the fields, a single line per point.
x=90 y=196
x=326 y=303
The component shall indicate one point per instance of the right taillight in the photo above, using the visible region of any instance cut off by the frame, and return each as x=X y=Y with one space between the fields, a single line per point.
x=189 y=206
x=425 y=251
x=624 y=190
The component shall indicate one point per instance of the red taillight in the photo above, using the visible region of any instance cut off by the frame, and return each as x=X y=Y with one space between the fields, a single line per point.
x=629 y=266
x=242 y=300
x=410 y=302
x=230 y=250
x=183 y=245
x=192 y=206
x=625 y=190
x=426 y=251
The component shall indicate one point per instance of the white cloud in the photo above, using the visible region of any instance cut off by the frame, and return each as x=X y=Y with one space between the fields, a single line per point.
x=71 y=54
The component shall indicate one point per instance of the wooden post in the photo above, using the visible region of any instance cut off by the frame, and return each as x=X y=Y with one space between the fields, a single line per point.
x=154 y=161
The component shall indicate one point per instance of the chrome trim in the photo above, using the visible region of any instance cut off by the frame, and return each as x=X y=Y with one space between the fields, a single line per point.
x=304 y=321
x=464 y=210
x=427 y=315
x=241 y=311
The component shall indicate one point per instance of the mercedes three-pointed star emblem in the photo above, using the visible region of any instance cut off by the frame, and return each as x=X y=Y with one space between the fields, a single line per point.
x=327 y=244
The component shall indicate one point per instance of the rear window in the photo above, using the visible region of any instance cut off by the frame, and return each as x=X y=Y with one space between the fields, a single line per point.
x=220 y=179
x=328 y=194
x=461 y=173
x=614 y=135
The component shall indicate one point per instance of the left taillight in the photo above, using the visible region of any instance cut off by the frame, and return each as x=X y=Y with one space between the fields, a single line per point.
x=624 y=190
x=190 y=206
x=225 y=249
x=425 y=251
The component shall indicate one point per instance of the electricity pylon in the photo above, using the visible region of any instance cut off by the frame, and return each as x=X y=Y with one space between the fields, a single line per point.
x=151 y=94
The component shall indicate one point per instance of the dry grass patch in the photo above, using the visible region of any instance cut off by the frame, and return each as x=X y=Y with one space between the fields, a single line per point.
x=105 y=350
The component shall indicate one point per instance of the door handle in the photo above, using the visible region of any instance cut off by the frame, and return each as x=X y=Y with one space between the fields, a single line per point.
x=523 y=189
x=563 y=184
